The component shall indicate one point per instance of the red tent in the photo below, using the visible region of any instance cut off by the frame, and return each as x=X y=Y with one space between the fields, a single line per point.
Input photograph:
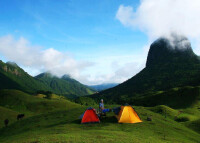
x=90 y=116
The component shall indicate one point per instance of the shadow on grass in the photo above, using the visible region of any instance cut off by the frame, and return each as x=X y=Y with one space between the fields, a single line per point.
x=105 y=121
x=110 y=119
x=78 y=121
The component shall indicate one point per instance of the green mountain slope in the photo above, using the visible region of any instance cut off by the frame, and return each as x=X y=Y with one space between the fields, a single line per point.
x=182 y=97
x=64 y=85
x=14 y=77
x=168 y=65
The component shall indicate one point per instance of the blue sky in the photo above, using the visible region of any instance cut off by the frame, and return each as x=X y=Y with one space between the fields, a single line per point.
x=72 y=25
x=85 y=38
x=86 y=29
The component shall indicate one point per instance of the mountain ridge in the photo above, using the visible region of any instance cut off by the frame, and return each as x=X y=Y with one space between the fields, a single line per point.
x=64 y=85
x=14 y=77
x=103 y=86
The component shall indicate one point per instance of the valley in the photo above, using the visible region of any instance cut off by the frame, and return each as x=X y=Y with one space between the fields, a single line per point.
x=167 y=90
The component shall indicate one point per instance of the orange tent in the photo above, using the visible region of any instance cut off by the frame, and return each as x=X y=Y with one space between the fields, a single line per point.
x=128 y=115
x=90 y=116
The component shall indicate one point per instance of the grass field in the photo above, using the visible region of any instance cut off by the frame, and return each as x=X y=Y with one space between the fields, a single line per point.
x=57 y=120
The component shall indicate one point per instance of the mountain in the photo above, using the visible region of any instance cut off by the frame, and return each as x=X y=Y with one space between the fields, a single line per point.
x=104 y=86
x=14 y=77
x=170 y=63
x=64 y=85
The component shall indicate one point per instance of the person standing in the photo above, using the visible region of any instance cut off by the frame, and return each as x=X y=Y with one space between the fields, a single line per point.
x=101 y=107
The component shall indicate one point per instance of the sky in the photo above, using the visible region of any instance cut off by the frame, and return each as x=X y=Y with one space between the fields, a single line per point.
x=94 y=41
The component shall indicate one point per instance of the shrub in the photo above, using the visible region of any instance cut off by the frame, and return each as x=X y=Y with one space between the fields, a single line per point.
x=182 y=119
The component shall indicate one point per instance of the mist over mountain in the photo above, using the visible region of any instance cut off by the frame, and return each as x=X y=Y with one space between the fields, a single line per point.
x=170 y=63
x=12 y=64
x=64 y=85
x=171 y=49
x=14 y=77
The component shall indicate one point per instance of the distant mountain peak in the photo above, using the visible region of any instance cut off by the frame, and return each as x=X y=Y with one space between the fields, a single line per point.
x=103 y=86
x=66 y=76
x=12 y=64
x=46 y=75
x=50 y=75
x=171 y=49
x=175 y=42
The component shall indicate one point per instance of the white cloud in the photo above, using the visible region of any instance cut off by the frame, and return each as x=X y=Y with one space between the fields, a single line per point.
x=117 y=69
x=162 y=17
x=102 y=69
x=158 y=18
x=34 y=57
x=126 y=15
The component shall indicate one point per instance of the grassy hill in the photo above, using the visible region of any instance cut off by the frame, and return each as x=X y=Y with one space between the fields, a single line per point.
x=57 y=120
x=60 y=127
x=24 y=103
x=182 y=97
x=7 y=114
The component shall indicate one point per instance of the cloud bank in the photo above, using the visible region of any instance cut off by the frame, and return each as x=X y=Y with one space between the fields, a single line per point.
x=162 y=17
x=34 y=57
x=117 y=71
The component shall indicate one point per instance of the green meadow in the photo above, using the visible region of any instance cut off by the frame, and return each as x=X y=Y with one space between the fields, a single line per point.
x=57 y=120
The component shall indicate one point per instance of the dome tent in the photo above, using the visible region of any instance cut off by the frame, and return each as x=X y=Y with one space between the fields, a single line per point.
x=128 y=115
x=90 y=116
